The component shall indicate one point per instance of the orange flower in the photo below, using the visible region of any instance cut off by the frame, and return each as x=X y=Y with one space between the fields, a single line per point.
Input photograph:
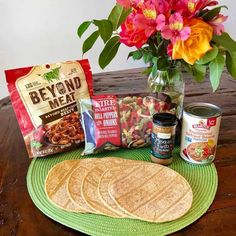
x=198 y=43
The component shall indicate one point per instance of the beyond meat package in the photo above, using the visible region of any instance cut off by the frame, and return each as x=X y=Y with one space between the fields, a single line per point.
x=111 y=121
x=43 y=98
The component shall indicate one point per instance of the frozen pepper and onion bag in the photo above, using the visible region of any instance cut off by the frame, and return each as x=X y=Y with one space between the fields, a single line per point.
x=113 y=121
x=44 y=99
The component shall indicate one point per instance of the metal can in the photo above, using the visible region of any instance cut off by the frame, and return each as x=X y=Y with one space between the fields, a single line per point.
x=200 y=131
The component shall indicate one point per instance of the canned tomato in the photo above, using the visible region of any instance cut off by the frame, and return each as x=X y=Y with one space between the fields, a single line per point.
x=200 y=130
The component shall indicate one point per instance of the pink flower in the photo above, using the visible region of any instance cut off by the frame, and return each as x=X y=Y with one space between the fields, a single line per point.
x=125 y=3
x=128 y=3
x=175 y=30
x=206 y=3
x=217 y=25
x=161 y=22
x=152 y=6
x=163 y=7
x=148 y=9
x=189 y=8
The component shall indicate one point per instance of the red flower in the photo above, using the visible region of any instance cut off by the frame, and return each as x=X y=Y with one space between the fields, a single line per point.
x=136 y=30
x=170 y=49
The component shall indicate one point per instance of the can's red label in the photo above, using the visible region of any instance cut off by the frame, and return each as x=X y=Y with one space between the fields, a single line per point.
x=211 y=121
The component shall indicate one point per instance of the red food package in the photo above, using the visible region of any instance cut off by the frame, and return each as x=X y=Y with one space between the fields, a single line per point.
x=43 y=98
x=111 y=121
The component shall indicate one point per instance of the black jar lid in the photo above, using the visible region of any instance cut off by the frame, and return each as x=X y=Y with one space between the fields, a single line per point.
x=165 y=119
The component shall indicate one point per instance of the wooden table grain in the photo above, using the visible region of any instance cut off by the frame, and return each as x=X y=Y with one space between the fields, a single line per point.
x=18 y=214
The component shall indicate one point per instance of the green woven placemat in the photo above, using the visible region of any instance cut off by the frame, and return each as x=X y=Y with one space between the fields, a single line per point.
x=203 y=180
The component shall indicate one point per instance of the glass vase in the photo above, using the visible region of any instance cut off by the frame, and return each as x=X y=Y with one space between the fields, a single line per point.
x=168 y=87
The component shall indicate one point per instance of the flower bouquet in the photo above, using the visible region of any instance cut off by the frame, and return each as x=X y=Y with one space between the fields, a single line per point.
x=166 y=34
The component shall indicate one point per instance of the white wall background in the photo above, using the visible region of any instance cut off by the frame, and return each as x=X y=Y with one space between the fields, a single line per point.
x=44 y=31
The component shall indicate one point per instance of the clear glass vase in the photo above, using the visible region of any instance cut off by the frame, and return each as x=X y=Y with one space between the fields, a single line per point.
x=168 y=87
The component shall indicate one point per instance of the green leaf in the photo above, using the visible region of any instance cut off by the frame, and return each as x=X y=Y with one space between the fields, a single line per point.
x=154 y=70
x=209 y=15
x=163 y=63
x=147 y=71
x=147 y=57
x=229 y=45
x=175 y=75
x=198 y=72
x=155 y=60
x=225 y=41
x=109 y=51
x=105 y=29
x=154 y=67
x=187 y=67
x=118 y=16
x=209 y=56
x=231 y=63
x=216 y=69
x=201 y=13
x=130 y=55
x=83 y=27
x=159 y=38
x=89 y=42
x=137 y=55
x=160 y=48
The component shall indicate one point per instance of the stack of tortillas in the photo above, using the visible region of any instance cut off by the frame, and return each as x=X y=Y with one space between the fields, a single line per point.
x=119 y=188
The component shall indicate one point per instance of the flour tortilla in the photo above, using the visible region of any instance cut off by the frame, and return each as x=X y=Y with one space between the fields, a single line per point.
x=152 y=193
x=103 y=192
x=119 y=188
x=75 y=180
x=90 y=186
x=56 y=182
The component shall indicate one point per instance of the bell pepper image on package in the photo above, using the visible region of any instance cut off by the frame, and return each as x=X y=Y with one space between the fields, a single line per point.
x=44 y=101
x=113 y=121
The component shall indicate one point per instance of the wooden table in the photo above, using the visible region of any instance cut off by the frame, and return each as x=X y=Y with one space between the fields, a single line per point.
x=19 y=216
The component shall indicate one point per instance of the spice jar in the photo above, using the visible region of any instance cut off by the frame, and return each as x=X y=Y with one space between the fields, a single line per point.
x=163 y=138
